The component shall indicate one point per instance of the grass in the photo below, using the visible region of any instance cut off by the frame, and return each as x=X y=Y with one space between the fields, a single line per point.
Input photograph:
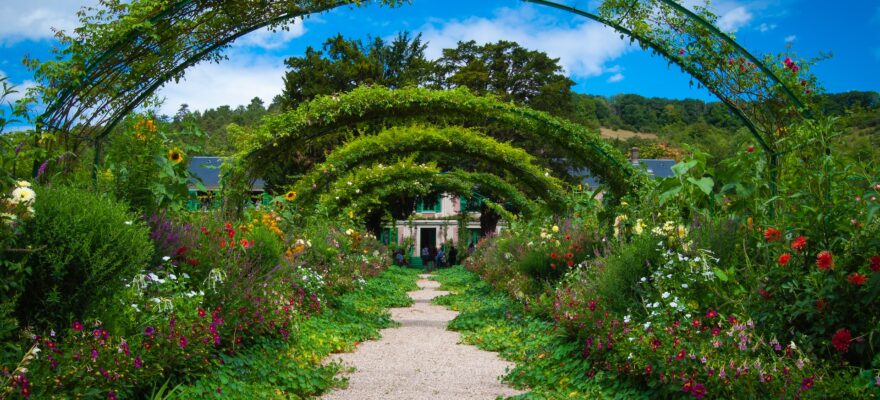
x=294 y=369
x=547 y=363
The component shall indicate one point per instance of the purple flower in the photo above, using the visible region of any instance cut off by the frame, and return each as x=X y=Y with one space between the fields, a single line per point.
x=111 y=395
x=183 y=342
x=138 y=362
x=807 y=384
x=94 y=354
x=149 y=331
x=18 y=148
x=42 y=169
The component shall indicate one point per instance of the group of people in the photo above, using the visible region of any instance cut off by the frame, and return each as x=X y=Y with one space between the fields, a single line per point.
x=432 y=257
x=437 y=257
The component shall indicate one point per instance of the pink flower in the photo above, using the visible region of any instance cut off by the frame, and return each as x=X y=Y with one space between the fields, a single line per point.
x=183 y=342
x=78 y=326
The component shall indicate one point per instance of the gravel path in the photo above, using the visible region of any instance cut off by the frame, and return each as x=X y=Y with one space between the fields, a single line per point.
x=421 y=359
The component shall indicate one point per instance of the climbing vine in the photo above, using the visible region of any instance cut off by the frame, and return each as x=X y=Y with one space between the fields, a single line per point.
x=319 y=125
x=430 y=141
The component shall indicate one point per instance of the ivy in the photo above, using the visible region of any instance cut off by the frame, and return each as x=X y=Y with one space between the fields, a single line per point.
x=464 y=143
x=318 y=125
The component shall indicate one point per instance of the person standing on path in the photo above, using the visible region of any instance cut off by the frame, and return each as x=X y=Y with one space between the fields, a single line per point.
x=452 y=255
x=426 y=257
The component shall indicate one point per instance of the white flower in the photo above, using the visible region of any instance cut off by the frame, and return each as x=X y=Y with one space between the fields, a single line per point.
x=23 y=184
x=626 y=319
x=166 y=258
x=688 y=315
x=655 y=305
x=172 y=277
x=664 y=295
x=684 y=285
x=644 y=279
x=127 y=222
x=22 y=195
x=647 y=324
x=349 y=183
x=155 y=300
x=673 y=304
x=349 y=231
x=357 y=191
x=153 y=277
x=185 y=275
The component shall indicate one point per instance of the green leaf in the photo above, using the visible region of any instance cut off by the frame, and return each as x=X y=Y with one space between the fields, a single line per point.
x=705 y=184
x=722 y=276
x=669 y=194
x=683 y=167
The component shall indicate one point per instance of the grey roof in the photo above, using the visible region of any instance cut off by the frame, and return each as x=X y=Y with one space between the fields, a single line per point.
x=659 y=168
x=208 y=170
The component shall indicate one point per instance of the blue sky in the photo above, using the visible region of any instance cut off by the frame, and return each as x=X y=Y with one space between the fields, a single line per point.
x=593 y=55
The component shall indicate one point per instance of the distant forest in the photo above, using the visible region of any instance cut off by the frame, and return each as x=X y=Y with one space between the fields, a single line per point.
x=506 y=70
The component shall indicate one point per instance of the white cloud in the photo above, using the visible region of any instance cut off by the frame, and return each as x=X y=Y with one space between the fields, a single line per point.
x=582 y=49
x=34 y=19
x=790 y=38
x=20 y=88
x=734 y=19
x=233 y=82
x=615 y=78
x=269 y=40
x=765 y=27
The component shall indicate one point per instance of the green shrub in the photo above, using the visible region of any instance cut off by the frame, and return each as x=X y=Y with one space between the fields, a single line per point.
x=87 y=246
x=267 y=249
x=617 y=282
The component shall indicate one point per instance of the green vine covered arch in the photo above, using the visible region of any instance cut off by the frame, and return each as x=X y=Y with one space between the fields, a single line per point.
x=366 y=187
x=126 y=50
x=319 y=125
x=465 y=144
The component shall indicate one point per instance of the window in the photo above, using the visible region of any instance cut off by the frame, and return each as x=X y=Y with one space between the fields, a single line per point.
x=431 y=204
x=473 y=236
x=388 y=236
x=471 y=206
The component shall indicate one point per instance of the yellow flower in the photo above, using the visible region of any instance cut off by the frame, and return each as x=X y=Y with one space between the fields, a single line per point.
x=555 y=229
x=290 y=196
x=175 y=155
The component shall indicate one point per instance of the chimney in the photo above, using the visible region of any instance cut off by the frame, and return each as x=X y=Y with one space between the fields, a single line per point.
x=634 y=155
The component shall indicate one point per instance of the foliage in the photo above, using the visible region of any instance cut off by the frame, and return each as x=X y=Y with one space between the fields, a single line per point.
x=548 y=364
x=86 y=247
x=465 y=144
x=295 y=368
x=294 y=141
x=147 y=167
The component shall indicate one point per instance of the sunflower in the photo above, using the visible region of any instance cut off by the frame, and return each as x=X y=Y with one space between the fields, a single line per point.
x=290 y=196
x=175 y=155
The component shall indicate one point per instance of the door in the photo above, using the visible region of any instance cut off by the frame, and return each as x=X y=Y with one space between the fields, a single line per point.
x=427 y=237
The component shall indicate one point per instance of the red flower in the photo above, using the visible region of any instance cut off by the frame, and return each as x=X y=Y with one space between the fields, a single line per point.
x=204 y=230
x=699 y=391
x=228 y=226
x=78 y=326
x=711 y=314
x=857 y=279
x=783 y=259
x=799 y=243
x=680 y=355
x=231 y=233
x=821 y=304
x=825 y=260
x=193 y=262
x=875 y=263
x=772 y=234
x=681 y=52
x=750 y=149
x=569 y=255
x=553 y=265
x=649 y=369
x=244 y=243
x=202 y=312
x=180 y=250
x=183 y=342
x=570 y=263
x=841 y=340
x=688 y=386
x=553 y=255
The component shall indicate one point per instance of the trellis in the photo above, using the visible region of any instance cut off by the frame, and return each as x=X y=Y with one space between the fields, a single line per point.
x=100 y=79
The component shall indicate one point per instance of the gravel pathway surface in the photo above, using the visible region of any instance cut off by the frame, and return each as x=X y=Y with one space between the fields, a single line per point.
x=421 y=359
